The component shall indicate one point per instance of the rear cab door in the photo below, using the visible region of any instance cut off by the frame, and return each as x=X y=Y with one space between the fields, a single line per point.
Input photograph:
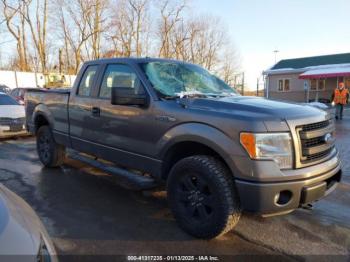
x=81 y=109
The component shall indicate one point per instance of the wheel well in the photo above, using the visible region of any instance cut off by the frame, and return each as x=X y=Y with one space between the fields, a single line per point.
x=186 y=149
x=40 y=121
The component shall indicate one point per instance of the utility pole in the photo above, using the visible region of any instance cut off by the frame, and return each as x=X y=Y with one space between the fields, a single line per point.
x=276 y=52
x=243 y=84
x=60 y=61
x=239 y=82
x=36 y=71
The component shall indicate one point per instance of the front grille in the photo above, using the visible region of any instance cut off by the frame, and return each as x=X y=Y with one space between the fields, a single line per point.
x=312 y=142
x=315 y=126
x=316 y=141
x=5 y=121
x=319 y=155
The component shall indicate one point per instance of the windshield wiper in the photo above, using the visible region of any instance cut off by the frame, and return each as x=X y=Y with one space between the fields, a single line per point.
x=170 y=97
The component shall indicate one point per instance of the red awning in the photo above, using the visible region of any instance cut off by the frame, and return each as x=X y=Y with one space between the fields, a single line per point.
x=326 y=73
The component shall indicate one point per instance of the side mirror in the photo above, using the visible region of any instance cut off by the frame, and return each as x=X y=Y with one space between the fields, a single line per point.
x=127 y=96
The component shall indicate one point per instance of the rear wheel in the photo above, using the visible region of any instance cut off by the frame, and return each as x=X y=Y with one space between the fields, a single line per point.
x=50 y=153
x=202 y=196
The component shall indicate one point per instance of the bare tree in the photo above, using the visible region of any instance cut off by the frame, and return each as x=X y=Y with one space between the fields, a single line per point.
x=97 y=26
x=130 y=27
x=80 y=23
x=170 y=17
x=229 y=65
x=206 y=41
x=200 y=40
x=15 y=23
x=90 y=29
x=38 y=28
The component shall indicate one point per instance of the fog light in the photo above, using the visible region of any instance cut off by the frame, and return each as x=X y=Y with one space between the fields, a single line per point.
x=283 y=197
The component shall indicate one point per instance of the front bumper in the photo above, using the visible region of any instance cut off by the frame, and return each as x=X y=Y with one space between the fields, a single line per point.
x=5 y=132
x=270 y=198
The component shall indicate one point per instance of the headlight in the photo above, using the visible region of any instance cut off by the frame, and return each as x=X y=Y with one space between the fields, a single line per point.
x=273 y=146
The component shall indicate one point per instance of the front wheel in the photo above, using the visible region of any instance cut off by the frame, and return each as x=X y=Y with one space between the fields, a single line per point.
x=202 y=196
x=50 y=153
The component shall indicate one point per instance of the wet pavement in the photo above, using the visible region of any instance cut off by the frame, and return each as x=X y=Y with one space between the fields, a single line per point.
x=85 y=212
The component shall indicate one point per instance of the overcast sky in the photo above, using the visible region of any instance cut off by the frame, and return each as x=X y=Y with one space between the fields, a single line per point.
x=297 y=28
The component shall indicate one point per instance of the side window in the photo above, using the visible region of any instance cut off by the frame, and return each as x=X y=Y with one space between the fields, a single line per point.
x=322 y=84
x=119 y=76
x=284 y=85
x=14 y=92
x=280 y=85
x=313 y=84
x=87 y=80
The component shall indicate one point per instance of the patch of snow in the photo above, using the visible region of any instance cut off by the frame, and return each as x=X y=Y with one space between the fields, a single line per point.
x=325 y=71
x=319 y=67
x=183 y=94
x=327 y=66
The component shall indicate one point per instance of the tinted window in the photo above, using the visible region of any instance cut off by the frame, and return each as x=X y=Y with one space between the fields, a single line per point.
x=4 y=89
x=7 y=100
x=87 y=81
x=119 y=76
x=14 y=92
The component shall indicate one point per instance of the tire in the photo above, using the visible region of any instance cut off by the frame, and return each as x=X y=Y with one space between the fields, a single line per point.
x=50 y=153
x=202 y=197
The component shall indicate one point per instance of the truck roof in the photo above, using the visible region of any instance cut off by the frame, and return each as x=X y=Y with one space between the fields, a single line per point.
x=133 y=60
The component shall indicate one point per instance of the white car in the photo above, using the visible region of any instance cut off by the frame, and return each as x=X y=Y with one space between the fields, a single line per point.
x=12 y=117
x=23 y=237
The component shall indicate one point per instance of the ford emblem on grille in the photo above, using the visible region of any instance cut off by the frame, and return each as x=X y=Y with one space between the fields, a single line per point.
x=328 y=138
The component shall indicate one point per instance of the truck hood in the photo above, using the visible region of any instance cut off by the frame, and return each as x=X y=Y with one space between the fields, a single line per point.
x=252 y=107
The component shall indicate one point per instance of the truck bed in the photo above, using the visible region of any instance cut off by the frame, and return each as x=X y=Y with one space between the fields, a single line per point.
x=54 y=103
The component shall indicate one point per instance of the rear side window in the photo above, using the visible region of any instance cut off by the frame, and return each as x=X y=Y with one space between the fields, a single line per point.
x=87 y=81
x=119 y=76
x=6 y=100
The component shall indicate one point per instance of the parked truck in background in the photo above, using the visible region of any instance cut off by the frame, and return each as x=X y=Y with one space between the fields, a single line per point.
x=217 y=152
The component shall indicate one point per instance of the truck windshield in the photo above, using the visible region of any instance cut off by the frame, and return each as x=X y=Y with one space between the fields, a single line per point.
x=6 y=100
x=171 y=79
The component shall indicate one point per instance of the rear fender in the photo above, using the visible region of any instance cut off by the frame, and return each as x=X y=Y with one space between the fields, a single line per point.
x=43 y=110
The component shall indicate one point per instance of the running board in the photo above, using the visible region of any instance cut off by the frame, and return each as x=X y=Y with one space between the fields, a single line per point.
x=124 y=178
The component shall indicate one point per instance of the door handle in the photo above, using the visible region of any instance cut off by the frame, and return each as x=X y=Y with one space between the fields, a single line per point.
x=96 y=111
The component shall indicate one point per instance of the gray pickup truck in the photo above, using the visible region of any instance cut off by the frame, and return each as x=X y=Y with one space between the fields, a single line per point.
x=173 y=122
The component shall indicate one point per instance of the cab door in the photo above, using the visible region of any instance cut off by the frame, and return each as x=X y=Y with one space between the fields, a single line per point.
x=82 y=112
x=125 y=132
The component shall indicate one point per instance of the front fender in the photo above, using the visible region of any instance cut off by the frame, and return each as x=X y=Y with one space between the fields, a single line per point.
x=207 y=135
